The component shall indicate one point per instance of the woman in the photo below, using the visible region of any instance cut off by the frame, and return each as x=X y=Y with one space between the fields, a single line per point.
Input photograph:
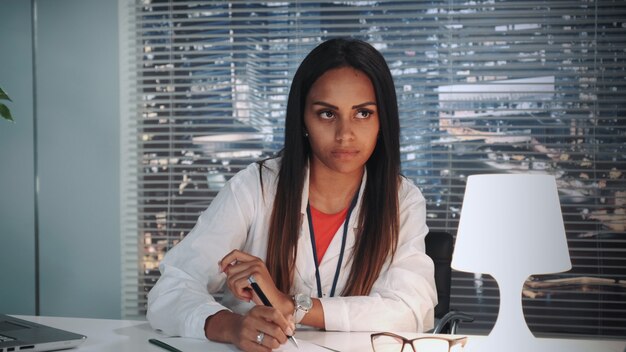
x=329 y=230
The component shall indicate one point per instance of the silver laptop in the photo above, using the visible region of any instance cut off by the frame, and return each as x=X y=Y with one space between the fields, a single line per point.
x=21 y=335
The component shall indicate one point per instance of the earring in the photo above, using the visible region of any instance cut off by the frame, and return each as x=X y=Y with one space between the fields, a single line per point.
x=306 y=134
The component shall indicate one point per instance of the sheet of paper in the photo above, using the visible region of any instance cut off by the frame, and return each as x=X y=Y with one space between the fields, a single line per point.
x=192 y=345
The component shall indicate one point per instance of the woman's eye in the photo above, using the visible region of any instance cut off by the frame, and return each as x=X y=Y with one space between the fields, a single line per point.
x=363 y=114
x=326 y=115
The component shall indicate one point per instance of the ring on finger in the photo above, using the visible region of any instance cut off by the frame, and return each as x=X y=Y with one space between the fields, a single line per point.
x=260 y=337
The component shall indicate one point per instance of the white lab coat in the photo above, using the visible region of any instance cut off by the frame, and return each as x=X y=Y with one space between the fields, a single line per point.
x=402 y=299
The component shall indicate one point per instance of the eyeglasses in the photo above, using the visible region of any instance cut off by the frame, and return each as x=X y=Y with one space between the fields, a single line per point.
x=388 y=342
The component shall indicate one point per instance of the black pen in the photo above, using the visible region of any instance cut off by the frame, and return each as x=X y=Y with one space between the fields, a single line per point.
x=164 y=345
x=266 y=302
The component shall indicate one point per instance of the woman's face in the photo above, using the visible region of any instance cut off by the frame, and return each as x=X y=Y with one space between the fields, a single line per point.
x=341 y=118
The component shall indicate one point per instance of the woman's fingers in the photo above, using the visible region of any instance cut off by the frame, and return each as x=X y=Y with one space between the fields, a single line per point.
x=240 y=286
x=250 y=267
x=241 y=266
x=237 y=279
x=264 y=339
x=233 y=257
x=272 y=323
x=260 y=330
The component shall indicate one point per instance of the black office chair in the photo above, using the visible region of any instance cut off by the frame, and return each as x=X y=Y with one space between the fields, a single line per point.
x=439 y=246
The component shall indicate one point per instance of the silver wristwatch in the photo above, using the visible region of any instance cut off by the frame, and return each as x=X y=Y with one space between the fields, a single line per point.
x=303 y=303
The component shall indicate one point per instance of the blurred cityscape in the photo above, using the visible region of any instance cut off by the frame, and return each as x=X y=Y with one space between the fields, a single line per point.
x=482 y=88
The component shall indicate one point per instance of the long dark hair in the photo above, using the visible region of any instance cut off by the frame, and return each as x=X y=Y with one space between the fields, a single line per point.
x=378 y=228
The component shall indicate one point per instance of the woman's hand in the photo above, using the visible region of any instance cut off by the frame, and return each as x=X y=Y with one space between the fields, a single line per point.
x=261 y=329
x=239 y=266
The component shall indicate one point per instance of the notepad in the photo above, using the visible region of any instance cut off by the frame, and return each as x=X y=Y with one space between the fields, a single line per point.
x=199 y=345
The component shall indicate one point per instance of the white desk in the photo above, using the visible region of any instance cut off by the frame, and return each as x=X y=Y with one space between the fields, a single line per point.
x=132 y=336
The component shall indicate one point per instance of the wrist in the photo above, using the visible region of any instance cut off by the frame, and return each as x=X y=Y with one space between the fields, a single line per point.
x=221 y=326
x=287 y=306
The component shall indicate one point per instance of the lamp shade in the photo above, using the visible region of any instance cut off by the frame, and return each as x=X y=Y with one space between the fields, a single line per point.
x=511 y=225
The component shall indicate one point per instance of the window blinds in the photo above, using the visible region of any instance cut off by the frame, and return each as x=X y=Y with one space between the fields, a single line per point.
x=483 y=87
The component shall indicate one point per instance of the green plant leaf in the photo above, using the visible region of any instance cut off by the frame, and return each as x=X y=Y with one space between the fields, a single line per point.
x=4 y=96
x=5 y=113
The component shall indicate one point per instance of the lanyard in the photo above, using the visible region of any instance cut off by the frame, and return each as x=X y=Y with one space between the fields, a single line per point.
x=343 y=246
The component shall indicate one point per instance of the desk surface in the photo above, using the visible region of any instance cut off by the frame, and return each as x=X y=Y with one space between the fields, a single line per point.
x=132 y=335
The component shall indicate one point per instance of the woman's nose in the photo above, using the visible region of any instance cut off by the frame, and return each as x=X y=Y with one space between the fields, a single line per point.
x=344 y=130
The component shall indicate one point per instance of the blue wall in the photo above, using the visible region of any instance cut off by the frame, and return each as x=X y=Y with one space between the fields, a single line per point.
x=77 y=116
x=17 y=219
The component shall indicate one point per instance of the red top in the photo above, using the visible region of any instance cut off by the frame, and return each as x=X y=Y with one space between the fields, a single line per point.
x=325 y=226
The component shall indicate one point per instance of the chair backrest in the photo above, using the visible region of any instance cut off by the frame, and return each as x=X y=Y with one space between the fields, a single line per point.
x=439 y=246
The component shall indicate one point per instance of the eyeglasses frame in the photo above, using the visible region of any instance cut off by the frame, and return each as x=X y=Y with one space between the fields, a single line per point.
x=452 y=341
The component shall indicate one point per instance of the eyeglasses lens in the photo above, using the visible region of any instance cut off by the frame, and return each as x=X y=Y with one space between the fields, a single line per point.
x=431 y=345
x=384 y=343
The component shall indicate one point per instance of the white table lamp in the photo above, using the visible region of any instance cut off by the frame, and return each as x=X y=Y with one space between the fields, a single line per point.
x=511 y=227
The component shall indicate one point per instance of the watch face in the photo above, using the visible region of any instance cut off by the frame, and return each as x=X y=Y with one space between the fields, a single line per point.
x=303 y=301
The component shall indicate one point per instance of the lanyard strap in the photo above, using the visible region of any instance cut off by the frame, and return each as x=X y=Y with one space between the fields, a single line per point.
x=343 y=246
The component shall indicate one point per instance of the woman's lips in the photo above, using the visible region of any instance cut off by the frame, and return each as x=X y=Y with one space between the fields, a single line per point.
x=344 y=153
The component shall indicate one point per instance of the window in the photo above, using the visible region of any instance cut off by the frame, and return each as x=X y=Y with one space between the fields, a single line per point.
x=483 y=87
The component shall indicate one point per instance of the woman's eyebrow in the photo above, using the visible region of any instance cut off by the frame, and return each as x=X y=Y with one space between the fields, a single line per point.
x=364 y=104
x=367 y=103
x=325 y=104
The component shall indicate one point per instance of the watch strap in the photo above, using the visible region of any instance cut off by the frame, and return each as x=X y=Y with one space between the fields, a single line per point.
x=299 y=310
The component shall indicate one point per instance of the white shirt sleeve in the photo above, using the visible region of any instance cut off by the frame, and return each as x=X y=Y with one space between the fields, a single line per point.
x=181 y=300
x=404 y=296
